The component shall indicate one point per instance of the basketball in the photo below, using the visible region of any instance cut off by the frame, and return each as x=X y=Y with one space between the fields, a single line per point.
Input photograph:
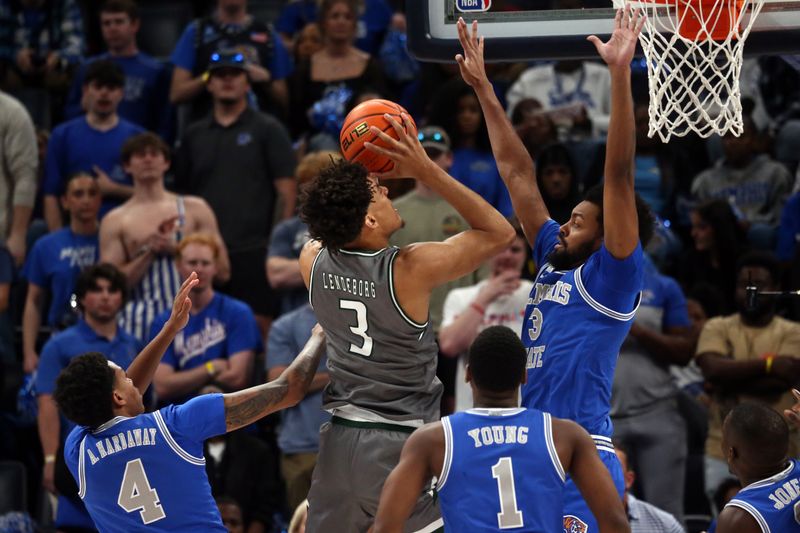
x=355 y=133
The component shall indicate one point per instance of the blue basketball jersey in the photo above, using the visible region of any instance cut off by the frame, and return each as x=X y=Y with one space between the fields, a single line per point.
x=147 y=473
x=575 y=322
x=774 y=502
x=501 y=472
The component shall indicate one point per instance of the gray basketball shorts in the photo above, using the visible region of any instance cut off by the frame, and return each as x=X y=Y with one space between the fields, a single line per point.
x=355 y=458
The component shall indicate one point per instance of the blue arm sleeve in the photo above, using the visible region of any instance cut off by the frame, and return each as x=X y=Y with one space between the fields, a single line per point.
x=198 y=419
x=676 y=313
x=789 y=229
x=613 y=283
x=280 y=67
x=183 y=55
x=546 y=239
x=280 y=345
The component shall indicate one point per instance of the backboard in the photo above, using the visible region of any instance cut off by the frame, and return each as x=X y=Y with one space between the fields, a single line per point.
x=557 y=29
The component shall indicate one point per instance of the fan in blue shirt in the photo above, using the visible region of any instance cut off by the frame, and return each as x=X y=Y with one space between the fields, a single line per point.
x=140 y=471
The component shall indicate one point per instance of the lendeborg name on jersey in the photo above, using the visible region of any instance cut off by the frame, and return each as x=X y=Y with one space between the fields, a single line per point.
x=356 y=287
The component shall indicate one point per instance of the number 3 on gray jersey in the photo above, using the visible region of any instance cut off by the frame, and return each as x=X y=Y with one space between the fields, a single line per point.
x=360 y=328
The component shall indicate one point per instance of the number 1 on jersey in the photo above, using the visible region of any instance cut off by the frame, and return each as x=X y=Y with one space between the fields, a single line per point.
x=136 y=494
x=360 y=328
x=509 y=516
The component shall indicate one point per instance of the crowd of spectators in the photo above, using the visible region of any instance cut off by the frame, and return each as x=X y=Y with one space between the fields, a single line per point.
x=134 y=171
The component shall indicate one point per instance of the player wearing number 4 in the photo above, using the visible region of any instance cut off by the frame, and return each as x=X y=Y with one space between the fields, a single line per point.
x=141 y=471
x=499 y=466
x=372 y=300
x=590 y=269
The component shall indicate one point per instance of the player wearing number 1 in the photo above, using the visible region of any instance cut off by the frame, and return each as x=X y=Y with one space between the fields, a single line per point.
x=590 y=269
x=141 y=471
x=372 y=301
x=498 y=466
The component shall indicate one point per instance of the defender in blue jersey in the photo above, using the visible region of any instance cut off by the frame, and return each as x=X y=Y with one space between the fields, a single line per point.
x=755 y=441
x=141 y=471
x=590 y=269
x=498 y=466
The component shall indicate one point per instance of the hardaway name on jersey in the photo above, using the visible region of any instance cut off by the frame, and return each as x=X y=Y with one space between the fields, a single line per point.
x=575 y=323
x=147 y=473
x=774 y=502
x=379 y=359
x=501 y=471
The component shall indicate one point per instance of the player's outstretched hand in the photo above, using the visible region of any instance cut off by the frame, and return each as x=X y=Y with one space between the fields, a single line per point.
x=619 y=50
x=406 y=152
x=471 y=63
x=182 y=305
x=793 y=414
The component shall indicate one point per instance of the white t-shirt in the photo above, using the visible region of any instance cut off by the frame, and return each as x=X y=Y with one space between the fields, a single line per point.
x=508 y=310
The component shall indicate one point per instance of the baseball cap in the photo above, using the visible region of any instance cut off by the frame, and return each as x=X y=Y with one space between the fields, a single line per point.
x=227 y=59
x=434 y=137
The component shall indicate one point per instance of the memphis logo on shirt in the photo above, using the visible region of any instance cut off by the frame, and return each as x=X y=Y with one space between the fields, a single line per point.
x=191 y=345
x=79 y=256
x=471 y=6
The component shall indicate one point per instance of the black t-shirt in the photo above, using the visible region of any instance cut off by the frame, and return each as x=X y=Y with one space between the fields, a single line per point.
x=234 y=168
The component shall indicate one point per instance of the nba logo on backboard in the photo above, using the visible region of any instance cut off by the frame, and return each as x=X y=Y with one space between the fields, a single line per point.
x=471 y=6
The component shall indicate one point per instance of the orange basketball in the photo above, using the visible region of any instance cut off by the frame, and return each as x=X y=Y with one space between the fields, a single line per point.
x=355 y=133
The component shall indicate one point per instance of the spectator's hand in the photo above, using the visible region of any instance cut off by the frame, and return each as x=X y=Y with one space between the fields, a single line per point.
x=317 y=331
x=30 y=360
x=619 y=50
x=258 y=74
x=52 y=63
x=783 y=368
x=408 y=155
x=16 y=246
x=182 y=305
x=793 y=414
x=220 y=366
x=49 y=477
x=504 y=283
x=104 y=182
x=25 y=60
x=473 y=70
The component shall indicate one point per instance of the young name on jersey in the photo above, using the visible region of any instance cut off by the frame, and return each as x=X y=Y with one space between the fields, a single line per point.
x=354 y=286
x=488 y=435
x=122 y=441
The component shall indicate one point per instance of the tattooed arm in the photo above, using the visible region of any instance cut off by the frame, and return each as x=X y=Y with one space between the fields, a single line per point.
x=247 y=406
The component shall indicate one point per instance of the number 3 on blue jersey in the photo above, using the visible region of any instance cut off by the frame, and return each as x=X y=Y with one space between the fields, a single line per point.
x=536 y=324
x=360 y=328
x=135 y=494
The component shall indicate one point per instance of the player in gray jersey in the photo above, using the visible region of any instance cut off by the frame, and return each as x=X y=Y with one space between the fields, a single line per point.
x=372 y=301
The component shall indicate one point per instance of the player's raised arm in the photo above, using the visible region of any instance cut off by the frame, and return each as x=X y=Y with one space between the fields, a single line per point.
x=144 y=366
x=414 y=471
x=513 y=161
x=620 y=221
x=247 y=406
x=579 y=457
x=431 y=264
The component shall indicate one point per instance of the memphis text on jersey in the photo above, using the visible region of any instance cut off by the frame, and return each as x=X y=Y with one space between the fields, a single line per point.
x=559 y=292
x=357 y=287
x=122 y=441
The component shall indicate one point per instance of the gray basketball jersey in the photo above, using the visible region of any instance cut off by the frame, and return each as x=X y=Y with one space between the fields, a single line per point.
x=378 y=358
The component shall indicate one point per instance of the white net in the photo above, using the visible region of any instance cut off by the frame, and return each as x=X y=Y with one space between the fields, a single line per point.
x=693 y=50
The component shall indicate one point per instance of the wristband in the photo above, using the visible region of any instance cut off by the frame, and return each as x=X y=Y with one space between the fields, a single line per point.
x=205 y=76
x=478 y=308
x=768 y=363
x=210 y=369
x=50 y=458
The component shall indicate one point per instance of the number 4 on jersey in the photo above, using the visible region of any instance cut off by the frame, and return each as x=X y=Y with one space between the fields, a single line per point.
x=135 y=494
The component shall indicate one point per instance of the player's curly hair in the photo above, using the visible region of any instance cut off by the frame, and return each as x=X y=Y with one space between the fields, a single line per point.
x=646 y=217
x=83 y=390
x=335 y=203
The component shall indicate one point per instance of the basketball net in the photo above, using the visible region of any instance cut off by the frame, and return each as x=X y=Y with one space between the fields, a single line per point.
x=693 y=50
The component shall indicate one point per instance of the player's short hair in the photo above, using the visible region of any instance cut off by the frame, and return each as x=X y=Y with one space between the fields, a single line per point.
x=104 y=73
x=497 y=360
x=84 y=388
x=128 y=7
x=312 y=164
x=334 y=205
x=87 y=280
x=646 y=218
x=761 y=259
x=141 y=143
x=203 y=239
x=761 y=433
